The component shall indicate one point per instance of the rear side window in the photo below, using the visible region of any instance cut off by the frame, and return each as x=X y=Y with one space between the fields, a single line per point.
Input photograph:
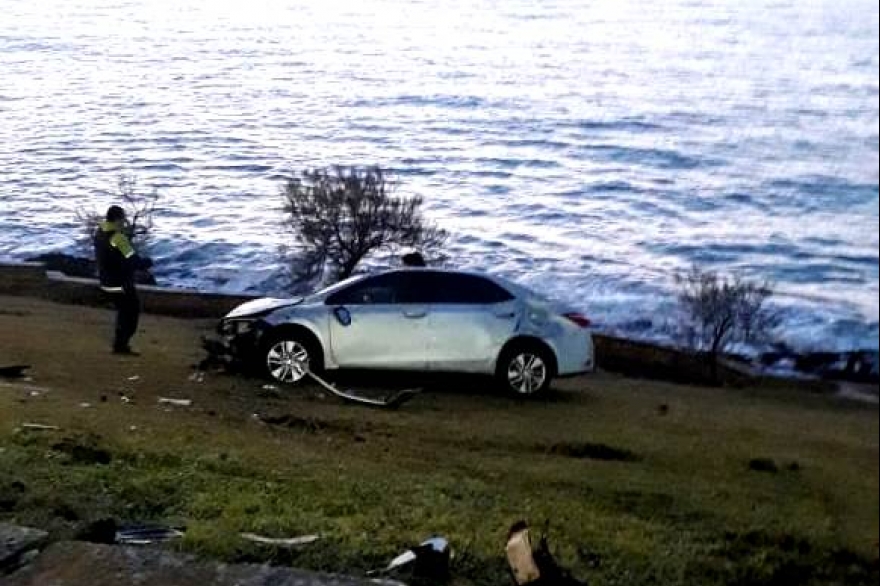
x=456 y=288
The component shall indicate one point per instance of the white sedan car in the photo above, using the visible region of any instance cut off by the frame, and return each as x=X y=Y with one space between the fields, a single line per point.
x=414 y=319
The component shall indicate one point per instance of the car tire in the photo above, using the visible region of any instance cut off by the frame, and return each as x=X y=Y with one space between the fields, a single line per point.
x=525 y=369
x=286 y=355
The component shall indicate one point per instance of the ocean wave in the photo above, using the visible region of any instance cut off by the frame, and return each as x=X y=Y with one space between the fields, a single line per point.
x=594 y=178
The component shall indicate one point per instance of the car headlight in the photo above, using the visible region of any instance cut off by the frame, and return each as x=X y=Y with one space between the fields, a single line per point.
x=235 y=327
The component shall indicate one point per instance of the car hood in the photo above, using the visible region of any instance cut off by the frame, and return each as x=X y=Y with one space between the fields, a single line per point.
x=261 y=306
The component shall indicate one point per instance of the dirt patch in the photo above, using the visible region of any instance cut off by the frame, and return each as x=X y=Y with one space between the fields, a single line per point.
x=772 y=559
x=14 y=313
x=83 y=450
x=763 y=465
x=770 y=465
x=10 y=493
x=306 y=424
x=356 y=430
x=591 y=451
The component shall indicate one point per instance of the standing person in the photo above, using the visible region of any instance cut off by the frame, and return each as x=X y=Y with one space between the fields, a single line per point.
x=117 y=263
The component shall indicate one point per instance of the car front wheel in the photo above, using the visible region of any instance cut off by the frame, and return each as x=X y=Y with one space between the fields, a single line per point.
x=288 y=357
x=525 y=370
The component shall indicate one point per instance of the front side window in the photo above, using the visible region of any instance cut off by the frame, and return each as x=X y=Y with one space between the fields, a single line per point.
x=382 y=289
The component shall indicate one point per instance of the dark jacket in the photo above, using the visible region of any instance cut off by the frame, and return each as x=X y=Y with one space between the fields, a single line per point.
x=116 y=258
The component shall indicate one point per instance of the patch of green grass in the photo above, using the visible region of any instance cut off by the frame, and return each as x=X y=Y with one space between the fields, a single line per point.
x=632 y=497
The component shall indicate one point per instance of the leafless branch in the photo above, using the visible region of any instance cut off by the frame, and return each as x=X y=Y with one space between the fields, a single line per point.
x=341 y=215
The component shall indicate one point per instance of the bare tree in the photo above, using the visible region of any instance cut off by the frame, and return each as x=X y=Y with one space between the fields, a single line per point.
x=340 y=215
x=139 y=209
x=722 y=310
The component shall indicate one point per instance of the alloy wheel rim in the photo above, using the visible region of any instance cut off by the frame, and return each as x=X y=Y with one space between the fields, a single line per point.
x=526 y=373
x=288 y=361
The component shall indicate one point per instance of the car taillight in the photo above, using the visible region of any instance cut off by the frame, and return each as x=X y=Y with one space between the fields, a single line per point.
x=579 y=319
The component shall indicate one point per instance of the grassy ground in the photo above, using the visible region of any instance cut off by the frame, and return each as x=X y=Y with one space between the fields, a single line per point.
x=643 y=482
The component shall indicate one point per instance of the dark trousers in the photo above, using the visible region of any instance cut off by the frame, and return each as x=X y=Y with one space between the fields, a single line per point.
x=128 y=312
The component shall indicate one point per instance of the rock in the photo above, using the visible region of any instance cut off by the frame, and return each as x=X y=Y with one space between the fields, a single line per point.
x=72 y=266
x=144 y=277
x=855 y=366
x=858 y=366
x=70 y=563
x=15 y=543
x=75 y=266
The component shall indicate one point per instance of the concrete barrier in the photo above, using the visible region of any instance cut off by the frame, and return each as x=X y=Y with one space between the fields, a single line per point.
x=32 y=280
x=646 y=360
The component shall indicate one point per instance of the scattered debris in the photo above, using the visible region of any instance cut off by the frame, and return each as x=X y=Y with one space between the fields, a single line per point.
x=270 y=388
x=14 y=371
x=125 y=399
x=197 y=377
x=85 y=405
x=40 y=427
x=281 y=541
x=134 y=378
x=534 y=566
x=34 y=394
x=428 y=560
x=520 y=556
x=178 y=402
x=107 y=531
x=28 y=388
x=392 y=401
x=218 y=355
x=147 y=534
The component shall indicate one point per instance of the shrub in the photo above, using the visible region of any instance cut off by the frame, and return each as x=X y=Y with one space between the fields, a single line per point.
x=139 y=209
x=341 y=215
x=721 y=310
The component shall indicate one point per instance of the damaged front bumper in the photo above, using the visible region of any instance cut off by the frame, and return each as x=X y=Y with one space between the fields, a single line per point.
x=236 y=344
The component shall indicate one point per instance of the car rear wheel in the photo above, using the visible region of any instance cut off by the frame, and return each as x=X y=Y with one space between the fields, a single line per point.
x=288 y=356
x=525 y=370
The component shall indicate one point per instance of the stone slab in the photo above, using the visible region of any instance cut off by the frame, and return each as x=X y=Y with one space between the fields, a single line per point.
x=70 y=563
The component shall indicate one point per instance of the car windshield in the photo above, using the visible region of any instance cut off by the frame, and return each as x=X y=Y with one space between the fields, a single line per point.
x=326 y=291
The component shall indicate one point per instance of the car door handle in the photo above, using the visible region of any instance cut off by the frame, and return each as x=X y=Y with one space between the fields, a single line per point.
x=415 y=314
x=508 y=315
